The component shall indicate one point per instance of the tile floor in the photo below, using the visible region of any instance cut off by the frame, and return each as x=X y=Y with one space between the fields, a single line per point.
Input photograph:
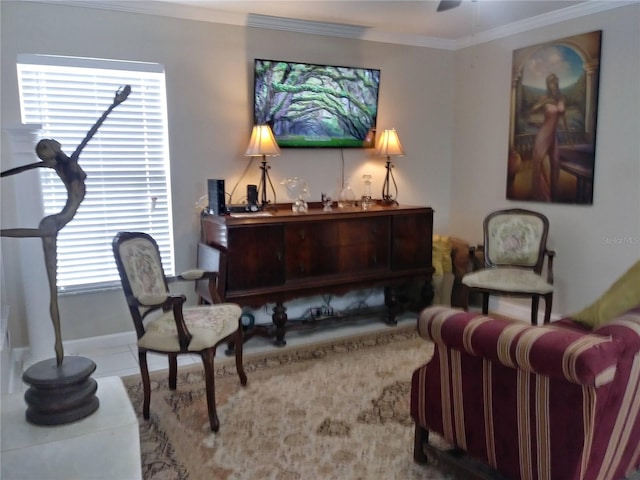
x=122 y=361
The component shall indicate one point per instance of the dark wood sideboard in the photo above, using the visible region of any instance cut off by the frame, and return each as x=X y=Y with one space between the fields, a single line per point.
x=283 y=255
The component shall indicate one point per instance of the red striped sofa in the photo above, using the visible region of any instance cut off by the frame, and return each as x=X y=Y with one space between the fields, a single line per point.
x=553 y=402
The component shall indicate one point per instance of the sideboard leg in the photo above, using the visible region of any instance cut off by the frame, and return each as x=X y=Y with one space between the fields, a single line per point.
x=391 y=301
x=427 y=293
x=279 y=318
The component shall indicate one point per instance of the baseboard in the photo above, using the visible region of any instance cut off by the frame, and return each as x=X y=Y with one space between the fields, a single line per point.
x=11 y=364
x=509 y=308
x=113 y=340
x=11 y=372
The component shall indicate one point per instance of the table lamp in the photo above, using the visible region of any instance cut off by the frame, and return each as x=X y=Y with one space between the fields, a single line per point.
x=389 y=146
x=263 y=144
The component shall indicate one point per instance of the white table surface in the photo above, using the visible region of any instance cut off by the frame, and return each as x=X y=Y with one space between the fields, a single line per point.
x=104 y=445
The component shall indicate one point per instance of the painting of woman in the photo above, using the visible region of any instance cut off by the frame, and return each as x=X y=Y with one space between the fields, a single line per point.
x=552 y=127
x=552 y=105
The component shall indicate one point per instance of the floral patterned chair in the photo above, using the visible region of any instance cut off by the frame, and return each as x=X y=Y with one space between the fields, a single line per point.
x=164 y=325
x=515 y=247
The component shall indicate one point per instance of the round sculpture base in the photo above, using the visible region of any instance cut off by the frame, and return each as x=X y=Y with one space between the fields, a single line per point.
x=60 y=394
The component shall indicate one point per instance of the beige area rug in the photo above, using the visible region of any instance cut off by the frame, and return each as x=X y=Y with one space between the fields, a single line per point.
x=329 y=411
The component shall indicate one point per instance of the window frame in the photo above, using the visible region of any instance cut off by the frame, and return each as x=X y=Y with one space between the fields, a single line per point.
x=127 y=161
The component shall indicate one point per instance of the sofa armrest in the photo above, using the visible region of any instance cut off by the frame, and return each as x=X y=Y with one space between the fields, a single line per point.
x=583 y=358
x=626 y=328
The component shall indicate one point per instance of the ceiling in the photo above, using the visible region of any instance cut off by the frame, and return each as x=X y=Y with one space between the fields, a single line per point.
x=399 y=17
x=413 y=22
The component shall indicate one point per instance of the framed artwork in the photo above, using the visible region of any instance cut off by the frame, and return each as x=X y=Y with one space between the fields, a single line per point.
x=554 y=108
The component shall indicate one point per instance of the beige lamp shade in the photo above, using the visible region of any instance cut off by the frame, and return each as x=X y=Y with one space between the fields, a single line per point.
x=262 y=142
x=389 y=145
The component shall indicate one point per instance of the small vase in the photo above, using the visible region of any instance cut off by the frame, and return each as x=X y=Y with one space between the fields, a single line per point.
x=300 y=206
x=326 y=201
x=365 y=201
x=347 y=196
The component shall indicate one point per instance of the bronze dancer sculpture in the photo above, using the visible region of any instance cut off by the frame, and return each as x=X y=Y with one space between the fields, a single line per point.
x=72 y=175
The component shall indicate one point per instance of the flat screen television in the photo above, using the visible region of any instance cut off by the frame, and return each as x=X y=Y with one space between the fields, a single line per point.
x=309 y=105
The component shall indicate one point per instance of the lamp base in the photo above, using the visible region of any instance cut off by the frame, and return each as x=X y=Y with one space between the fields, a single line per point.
x=387 y=198
x=268 y=206
x=262 y=188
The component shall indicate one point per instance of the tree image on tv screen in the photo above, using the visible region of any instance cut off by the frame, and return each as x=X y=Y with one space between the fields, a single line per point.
x=316 y=105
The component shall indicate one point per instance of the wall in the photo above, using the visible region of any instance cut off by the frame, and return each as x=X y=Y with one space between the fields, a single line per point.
x=451 y=111
x=209 y=89
x=594 y=244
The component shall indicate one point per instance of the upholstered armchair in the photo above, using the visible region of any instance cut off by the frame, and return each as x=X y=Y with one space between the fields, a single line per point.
x=552 y=402
x=515 y=249
x=165 y=325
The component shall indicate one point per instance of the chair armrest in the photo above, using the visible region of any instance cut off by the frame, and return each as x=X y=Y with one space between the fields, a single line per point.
x=194 y=274
x=175 y=303
x=152 y=303
x=197 y=274
x=579 y=357
x=188 y=275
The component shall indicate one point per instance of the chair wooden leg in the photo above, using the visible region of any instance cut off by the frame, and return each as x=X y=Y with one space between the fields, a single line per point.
x=173 y=371
x=535 y=302
x=485 y=303
x=210 y=386
x=146 y=384
x=548 y=302
x=421 y=437
x=239 y=341
x=466 y=291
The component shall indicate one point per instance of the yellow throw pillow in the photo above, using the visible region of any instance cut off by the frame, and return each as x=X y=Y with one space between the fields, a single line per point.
x=622 y=296
x=446 y=254
x=437 y=254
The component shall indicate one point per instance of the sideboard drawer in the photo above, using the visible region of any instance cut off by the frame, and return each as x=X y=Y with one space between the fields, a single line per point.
x=255 y=257
x=411 y=238
x=336 y=247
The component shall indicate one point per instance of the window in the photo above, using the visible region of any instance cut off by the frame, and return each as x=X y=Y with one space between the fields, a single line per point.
x=126 y=162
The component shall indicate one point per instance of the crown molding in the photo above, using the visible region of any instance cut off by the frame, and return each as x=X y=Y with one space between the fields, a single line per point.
x=304 y=26
x=191 y=12
x=557 y=16
x=347 y=31
x=155 y=7
x=409 y=40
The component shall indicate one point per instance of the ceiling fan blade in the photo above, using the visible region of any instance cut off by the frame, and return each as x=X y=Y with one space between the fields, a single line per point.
x=448 y=5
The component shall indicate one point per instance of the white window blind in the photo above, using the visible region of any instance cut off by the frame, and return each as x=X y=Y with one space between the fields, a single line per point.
x=126 y=162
